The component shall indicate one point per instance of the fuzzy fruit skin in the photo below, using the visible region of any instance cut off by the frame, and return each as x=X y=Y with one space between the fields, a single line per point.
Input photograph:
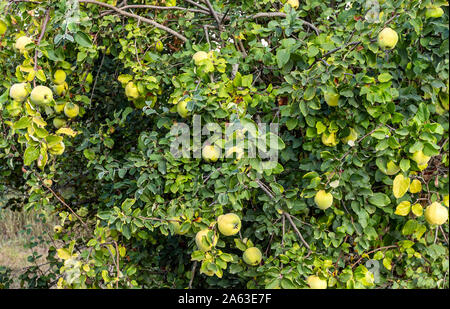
x=59 y=123
x=22 y=42
x=18 y=92
x=181 y=108
x=229 y=224
x=131 y=91
x=71 y=110
x=420 y=158
x=198 y=240
x=210 y=153
x=41 y=95
x=315 y=282
x=252 y=256
x=332 y=99
x=387 y=38
x=61 y=89
x=329 y=139
x=57 y=228
x=59 y=77
x=323 y=199
x=434 y=12
x=199 y=56
x=436 y=214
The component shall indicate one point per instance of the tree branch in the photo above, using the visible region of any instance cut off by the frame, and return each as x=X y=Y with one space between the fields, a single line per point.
x=44 y=26
x=280 y=14
x=140 y=18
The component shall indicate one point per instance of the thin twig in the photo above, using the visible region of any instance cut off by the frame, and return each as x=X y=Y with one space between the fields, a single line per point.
x=192 y=274
x=143 y=19
x=44 y=26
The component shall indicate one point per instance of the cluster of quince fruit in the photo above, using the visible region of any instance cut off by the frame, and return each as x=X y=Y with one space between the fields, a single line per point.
x=137 y=92
x=228 y=225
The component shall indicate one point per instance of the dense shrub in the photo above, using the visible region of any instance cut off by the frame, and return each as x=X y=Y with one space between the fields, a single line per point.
x=357 y=117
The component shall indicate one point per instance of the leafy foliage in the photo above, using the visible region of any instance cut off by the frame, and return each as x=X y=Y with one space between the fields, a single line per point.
x=352 y=118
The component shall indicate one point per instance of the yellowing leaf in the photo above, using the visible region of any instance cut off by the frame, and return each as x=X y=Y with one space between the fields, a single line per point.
x=39 y=121
x=416 y=186
x=401 y=185
x=446 y=200
x=417 y=209
x=67 y=131
x=63 y=253
x=403 y=208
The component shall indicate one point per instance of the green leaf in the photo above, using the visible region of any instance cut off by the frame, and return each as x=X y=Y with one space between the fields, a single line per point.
x=283 y=56
x=83 y=39
x=384 y=77
x=22 y=123
x=379 y=199
x=31 y=154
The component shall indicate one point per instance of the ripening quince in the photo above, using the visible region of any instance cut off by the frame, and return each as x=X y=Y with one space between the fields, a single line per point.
x=181 y=108
x=59 y=122
x=434 y=12
x=61 y=89
x=210 y=153
x=59 y=107
x=71 y=110
x=18 y=92
x=446 y=200
x=131 y=91
x=332 y=99
x=198 y=240
x=351 y=137
x=199 y=57
x=229 y=224
x=3 y=27
x=41 y=95
x=252 y=256
x=57 y=228
x=315 y=282
x=329 y=139
x=436 y=214
x=387 y=38
x=420 y=158
x=59 y=77
x=323 y=199
x=21 y=42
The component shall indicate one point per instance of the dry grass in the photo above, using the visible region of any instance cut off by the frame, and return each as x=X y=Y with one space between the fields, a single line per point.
x=16 y=230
